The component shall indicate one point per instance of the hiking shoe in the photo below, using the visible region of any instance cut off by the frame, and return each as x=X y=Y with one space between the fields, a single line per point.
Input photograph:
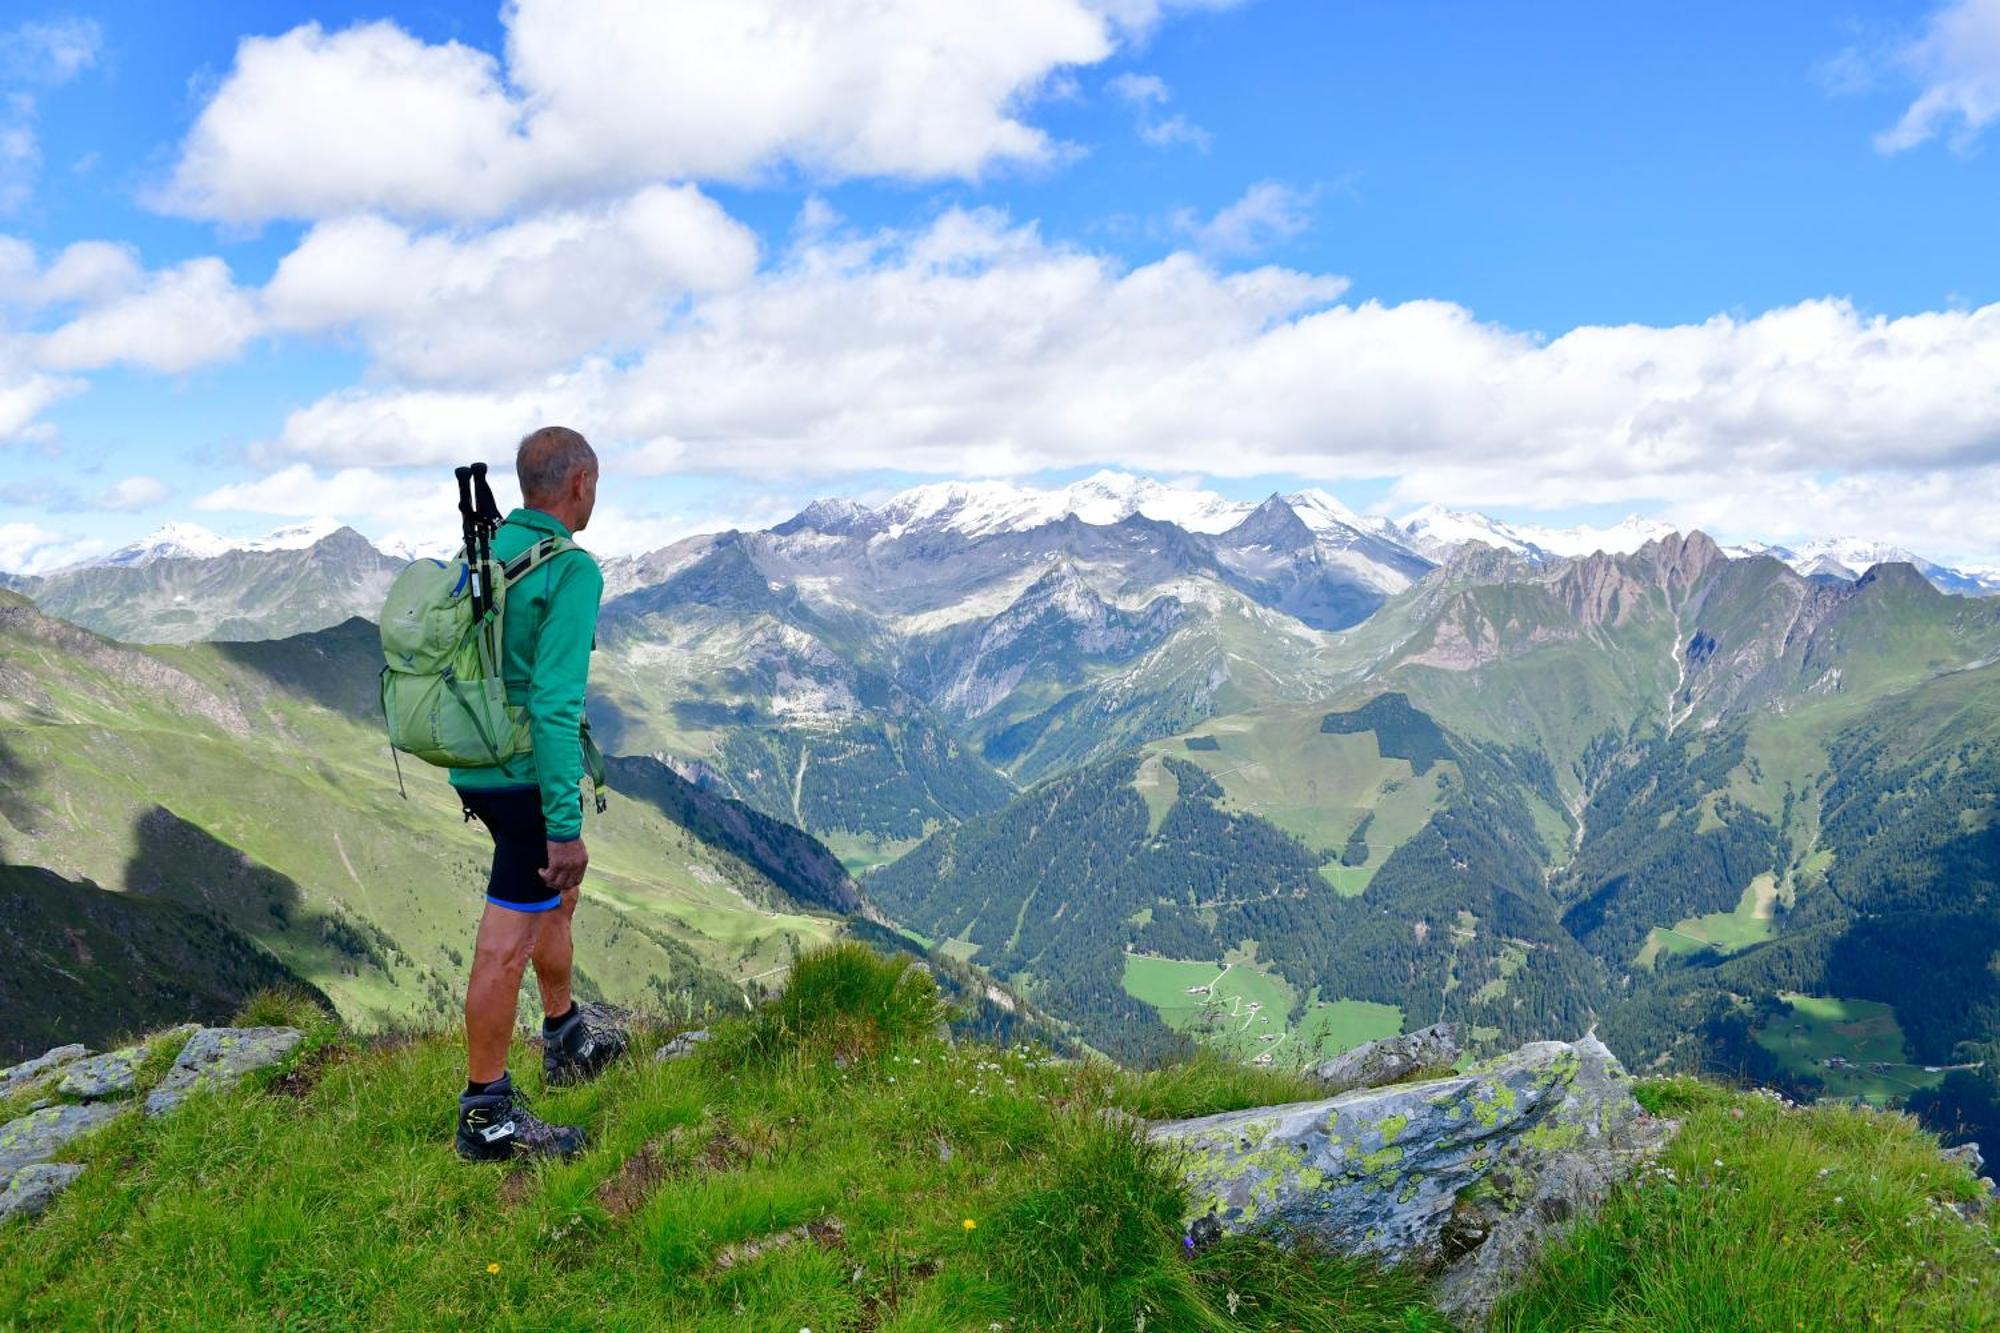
x=497 y=1124
x=579 y=1050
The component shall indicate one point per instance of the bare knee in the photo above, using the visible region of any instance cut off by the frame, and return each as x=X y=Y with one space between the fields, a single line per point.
x=507 y=956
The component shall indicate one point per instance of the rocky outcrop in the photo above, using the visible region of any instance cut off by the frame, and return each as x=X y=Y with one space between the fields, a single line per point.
x=1465 y=1176
x=1377 y=1064
x=31 y=1073
x=211 y=1058
x=220 y=1057
x=27 y=1144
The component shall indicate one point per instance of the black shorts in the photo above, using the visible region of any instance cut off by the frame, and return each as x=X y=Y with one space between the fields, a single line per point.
x=513 y=815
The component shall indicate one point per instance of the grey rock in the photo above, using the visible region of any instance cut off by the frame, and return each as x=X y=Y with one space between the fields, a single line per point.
x=1966 y=1155
x=1463 y=1176
x=40 y=1135
x=682 y=1046
x=1377 y=1064
x=220 y=1058
x=21 y=1077
x=34 y=1187
x=113 y=1074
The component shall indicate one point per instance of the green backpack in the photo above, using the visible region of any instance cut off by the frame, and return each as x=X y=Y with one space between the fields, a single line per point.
x=443 y=697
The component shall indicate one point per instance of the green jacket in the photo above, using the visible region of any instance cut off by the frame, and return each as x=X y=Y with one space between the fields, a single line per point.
x=551 y=629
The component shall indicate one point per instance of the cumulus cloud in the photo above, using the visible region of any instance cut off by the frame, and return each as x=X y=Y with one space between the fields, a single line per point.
x=1956 y=63
x=175 y=320
x=531 y=296
x=599 y=96
x=26 y=548
x=975 y=347
x=26 y=389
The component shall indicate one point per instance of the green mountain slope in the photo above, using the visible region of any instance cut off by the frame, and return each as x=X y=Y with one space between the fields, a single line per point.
x=241 y=782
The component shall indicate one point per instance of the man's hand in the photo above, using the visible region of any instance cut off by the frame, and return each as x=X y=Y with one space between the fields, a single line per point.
x=567 y=862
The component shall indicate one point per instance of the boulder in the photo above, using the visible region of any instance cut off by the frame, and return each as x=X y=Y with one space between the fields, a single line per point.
x=681 y=1046
x=40 y=1135
x=113 y=1074
x=34 y=1187
x=1377 y=1064
x=220 y=1058
x=1463 y=1176
x=21 y=1077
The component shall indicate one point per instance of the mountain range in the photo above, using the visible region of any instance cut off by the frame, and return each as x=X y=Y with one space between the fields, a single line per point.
x=1119 y=746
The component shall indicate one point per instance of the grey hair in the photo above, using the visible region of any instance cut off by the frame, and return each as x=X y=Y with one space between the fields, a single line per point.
x=548 y=458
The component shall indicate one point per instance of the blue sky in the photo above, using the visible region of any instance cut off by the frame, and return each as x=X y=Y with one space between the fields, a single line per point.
x=1727 y=264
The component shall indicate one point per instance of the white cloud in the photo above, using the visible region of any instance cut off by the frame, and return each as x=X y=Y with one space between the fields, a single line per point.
x=28 y=549
x=1268 y=212
x=178 y=319
x=1956 y=62
x=134 y=493
x=1147 y=93
x=975 y=348
x=600 y=96
x=531 y=296
x=26 y=390
x=417 y=509
x=33 y=56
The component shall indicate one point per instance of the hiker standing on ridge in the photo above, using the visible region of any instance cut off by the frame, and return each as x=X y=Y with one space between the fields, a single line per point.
x=533 y=806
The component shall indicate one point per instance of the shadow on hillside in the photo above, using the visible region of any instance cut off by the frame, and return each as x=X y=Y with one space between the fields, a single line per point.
x=797 y=862
x=176 y=861
x=15 y=777
x=339 y=668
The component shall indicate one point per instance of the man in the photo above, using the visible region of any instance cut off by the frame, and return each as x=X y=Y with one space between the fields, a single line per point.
x=533 y=806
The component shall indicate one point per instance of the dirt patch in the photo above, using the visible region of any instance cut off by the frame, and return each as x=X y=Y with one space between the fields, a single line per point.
x=634 y=1182
x=299 y=1081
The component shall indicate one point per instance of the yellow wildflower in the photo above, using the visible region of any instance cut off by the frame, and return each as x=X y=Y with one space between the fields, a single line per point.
x=970 y=1224
x=493 y=1268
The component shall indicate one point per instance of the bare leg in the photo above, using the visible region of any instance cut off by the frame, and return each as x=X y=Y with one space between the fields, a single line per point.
x=499 y=958
x=553 y=954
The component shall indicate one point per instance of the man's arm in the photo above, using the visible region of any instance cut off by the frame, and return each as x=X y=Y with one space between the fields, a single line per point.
x=555 y=695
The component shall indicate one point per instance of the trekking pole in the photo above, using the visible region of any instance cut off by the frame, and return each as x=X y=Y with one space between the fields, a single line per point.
x=470 y=521
x=486 y=518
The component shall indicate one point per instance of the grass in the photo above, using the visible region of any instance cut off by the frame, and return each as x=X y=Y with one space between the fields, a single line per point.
x=1864 y=1032
x=1749 y=922
x=1224 y=1020
x=1279 y=765
x=1764 y=1217
x=332 y=1198
x=830 y=1165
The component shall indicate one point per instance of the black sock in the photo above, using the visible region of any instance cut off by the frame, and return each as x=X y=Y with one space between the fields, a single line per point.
x=474 y=1088
x=551 y=1024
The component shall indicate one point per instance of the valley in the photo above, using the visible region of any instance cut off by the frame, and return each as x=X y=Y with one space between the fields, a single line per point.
x=1146 y=765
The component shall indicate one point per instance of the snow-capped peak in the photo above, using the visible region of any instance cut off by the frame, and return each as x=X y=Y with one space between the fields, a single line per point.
x=1621 y=538
x=1437 y=531
x=191 y=541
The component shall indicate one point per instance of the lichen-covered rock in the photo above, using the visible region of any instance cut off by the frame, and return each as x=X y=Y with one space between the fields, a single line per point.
x=682 y=1045
x=21 y=1077
x=40 y=1135
x=1465 y=1175
x=34 y=1187
x=113 y=1074
x=219 y=1058
x=1377 y=1064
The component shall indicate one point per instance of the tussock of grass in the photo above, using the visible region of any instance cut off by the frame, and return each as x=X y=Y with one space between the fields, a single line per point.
x=846 y=999
x=284 y=1007
x=1759 y=1217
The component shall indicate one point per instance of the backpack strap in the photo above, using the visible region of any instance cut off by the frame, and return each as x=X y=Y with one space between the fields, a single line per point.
x=546 y=549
